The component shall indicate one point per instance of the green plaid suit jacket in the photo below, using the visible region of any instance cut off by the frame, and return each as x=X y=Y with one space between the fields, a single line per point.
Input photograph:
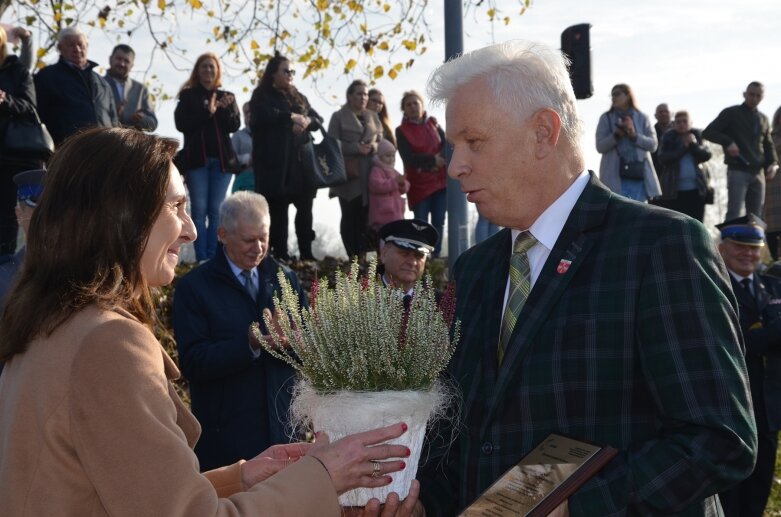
x=637 y=345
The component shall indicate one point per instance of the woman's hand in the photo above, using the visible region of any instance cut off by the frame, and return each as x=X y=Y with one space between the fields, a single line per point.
x=439 y=161
x=410 y=507
x=226 y=100
x=300 y=123
x=271 y=461
x=211 y=106
x=355 y=460
x=629 y=127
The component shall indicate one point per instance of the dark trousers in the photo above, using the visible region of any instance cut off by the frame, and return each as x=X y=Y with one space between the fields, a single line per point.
x=8 y=226
x=353 y=227
x=749 y=497
x=278 y=208
x=773 y=239
x=688 y=202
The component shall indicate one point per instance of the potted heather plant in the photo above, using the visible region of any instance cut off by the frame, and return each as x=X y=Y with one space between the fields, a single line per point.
x=365 y=362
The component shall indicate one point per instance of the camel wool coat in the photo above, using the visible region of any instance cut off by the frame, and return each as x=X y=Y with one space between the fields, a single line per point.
x=90 y=425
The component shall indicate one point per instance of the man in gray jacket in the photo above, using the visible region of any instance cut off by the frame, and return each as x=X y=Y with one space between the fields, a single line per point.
x=131 y=97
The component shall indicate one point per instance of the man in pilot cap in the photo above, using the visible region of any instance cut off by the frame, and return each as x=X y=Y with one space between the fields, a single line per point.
x=28 y=191
x=404 y=247
x=759 y=310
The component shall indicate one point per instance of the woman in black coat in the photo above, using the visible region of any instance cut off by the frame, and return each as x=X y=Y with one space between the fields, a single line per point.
x=280 y=122
x=206 y=115
x=17 y=100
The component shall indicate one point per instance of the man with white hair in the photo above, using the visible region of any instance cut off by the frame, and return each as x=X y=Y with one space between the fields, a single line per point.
x=70 y=95
x=240 y=394
x=588 y=315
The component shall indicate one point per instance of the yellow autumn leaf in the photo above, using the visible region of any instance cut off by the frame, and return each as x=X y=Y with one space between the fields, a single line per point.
x=491 y=13
x=58 y=16
x=378 y=72
x=392 y=73
x=397 y=67
x=385 y=7
x=254 y=45
x=210 y=14
x=216 y=31
x=507 y=20
x=350 y=65
x=322 y=5
x=383 y=45
x=102 y=22
x=195 y=4
x=161 y=4
x=409 y=44
x=41 y=52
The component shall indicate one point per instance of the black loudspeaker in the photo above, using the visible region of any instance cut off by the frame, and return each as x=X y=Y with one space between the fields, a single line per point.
x=576 y=45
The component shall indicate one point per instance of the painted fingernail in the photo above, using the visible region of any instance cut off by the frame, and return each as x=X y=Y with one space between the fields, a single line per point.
x=390 y=480
x=403 y=465
x=409 y=452
x=404 y=427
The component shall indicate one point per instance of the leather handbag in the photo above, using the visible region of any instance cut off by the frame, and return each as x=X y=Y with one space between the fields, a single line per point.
x=27 y=137
x=323 y=163
x=632 y=170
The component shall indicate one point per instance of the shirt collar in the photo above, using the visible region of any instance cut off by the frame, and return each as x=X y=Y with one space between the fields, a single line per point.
x=237 y=270
x=739 y=278
x=547 y=228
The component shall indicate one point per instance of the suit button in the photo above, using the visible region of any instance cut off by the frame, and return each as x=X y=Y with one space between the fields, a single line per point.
x=487 y=448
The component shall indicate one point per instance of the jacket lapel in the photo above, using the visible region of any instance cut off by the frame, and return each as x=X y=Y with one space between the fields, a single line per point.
x=568 y=254
x=476 y=363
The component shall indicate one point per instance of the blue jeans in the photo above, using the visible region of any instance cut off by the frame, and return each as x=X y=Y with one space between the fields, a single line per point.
x=208 y=186
x=436 y=205
x=634 y=189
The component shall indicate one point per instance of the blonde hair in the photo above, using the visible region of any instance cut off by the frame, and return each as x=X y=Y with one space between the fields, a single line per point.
x=3 y=49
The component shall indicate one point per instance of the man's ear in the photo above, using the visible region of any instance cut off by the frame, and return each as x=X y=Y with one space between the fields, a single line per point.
x=547 y=128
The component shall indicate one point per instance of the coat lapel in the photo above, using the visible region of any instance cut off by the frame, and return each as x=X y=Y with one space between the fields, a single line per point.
x=568 y=254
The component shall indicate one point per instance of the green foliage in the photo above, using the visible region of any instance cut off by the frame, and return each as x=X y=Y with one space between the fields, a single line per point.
x=357 y=335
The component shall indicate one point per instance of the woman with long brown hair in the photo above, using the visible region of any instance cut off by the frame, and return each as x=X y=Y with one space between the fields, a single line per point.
x=207 y=115
x=626 y=139
x=90 y=423
x=281 y=121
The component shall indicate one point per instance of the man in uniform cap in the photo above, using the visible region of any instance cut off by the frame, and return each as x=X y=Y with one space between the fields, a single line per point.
x=28 y=191
x=404 y=247
x=759 y=310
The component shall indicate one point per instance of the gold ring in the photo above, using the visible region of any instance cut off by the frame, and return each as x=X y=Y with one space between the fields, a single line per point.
x=375 y=468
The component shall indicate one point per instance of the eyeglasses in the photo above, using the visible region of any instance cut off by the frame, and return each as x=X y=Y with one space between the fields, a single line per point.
x=290 y=72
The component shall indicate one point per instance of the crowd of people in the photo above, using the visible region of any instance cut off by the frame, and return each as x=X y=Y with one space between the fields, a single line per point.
x=639 y=336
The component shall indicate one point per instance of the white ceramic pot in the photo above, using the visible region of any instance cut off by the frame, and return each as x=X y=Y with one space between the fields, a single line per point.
x=348 y=412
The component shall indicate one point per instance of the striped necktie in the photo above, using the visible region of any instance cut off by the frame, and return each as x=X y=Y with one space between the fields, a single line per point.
x=520 y=285
x=249 y=285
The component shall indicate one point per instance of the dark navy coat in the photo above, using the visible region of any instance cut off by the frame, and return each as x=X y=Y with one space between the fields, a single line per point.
x=240 y=401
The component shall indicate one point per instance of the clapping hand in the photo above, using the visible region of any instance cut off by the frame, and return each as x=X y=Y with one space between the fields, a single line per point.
x=225 y=101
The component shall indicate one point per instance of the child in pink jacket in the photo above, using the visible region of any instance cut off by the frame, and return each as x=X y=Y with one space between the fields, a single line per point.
x=386 y=188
